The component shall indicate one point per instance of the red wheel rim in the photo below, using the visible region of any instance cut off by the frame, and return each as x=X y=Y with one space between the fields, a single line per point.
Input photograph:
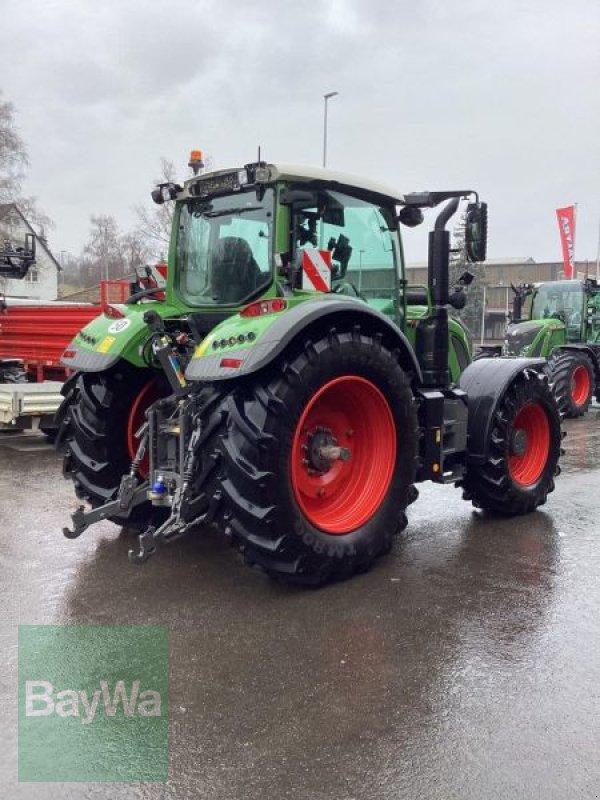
x=148 y=394
x=531 y=424
x=581 y=385
x=338 y=496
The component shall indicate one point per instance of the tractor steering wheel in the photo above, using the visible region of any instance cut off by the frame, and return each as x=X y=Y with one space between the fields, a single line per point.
x=342 y=288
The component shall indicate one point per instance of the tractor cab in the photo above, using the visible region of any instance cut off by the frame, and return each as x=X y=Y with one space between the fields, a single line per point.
x=269 y=230
x=553 y=314
x=564 y=301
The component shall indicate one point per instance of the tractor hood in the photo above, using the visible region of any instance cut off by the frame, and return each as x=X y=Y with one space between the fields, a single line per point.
x=520 y=336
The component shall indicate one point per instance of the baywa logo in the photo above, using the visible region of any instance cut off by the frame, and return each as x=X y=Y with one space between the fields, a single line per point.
x=41 y=701
x=93 y=703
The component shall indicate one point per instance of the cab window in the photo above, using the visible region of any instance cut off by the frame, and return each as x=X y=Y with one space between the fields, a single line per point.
x=361 y=239
x=223 y=249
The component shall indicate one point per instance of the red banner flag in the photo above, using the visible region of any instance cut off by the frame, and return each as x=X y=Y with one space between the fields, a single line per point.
x=566 y=226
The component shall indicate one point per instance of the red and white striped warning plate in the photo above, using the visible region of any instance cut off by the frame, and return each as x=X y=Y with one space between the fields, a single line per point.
x=316 y=270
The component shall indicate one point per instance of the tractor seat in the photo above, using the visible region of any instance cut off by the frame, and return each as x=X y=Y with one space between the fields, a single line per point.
x=234 y=271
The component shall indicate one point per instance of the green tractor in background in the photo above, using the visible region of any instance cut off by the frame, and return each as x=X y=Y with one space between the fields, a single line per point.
x=289 y=387
x=560 y=321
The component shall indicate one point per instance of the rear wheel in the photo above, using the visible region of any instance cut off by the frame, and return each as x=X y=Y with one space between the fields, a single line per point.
x=316 y=459
x=97 y=423
x=572 y=375
x=523 y=451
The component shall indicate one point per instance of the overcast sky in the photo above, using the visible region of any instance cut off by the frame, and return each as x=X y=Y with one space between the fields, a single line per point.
x=499 y=96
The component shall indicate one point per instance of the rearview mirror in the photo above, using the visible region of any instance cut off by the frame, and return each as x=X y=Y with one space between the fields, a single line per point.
x=476 y=231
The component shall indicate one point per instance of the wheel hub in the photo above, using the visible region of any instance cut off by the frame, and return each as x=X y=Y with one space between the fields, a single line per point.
x=321 y=451
x=581 y=385
x=530 y=444
x=519 y=442
x=336 y=489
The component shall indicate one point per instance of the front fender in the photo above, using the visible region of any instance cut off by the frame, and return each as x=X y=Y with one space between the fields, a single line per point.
x=105 y=340
x=252 y=343
x=485 y=382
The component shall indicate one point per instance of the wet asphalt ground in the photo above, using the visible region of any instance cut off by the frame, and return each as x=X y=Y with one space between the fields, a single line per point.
x=465 y=665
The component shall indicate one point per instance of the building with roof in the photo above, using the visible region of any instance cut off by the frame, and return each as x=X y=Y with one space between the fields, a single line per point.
x=41 y=282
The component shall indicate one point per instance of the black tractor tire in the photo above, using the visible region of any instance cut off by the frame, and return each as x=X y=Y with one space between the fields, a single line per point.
x=92 y=433
x=572 y=375
x=258 y=434
x=524 y=450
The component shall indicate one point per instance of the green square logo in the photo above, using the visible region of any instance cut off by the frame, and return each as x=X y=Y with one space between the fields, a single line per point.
x=93 y=702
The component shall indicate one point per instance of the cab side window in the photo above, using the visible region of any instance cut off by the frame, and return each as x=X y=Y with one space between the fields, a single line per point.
x=360 y=237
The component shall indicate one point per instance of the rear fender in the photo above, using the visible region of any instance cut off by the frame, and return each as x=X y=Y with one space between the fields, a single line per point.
x=229 y=342
x=485 y=382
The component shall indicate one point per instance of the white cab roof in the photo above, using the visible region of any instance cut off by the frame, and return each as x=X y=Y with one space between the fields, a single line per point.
x=293 y=172
x=300 y=174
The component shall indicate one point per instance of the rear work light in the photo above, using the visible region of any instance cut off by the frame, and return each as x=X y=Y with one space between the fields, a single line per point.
x=264 y=307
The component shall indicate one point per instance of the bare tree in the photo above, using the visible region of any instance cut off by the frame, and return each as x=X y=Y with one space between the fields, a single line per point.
x=154 y=224
x=35 y=215
x=104 y=247
x=134 y=251
x=13 y=163
x=13 y=154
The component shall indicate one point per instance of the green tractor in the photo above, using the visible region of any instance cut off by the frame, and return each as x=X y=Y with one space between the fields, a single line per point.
x=560 y=321
x=288 y=386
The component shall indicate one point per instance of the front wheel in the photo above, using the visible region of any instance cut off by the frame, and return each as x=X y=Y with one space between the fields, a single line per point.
x=524 y=449
x=316 y=459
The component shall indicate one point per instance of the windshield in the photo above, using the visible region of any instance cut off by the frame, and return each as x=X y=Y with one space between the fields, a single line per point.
x=224 y=248
x=561 y=300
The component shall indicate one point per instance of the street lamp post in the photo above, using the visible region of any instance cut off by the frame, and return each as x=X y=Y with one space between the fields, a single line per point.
x=326 y=97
